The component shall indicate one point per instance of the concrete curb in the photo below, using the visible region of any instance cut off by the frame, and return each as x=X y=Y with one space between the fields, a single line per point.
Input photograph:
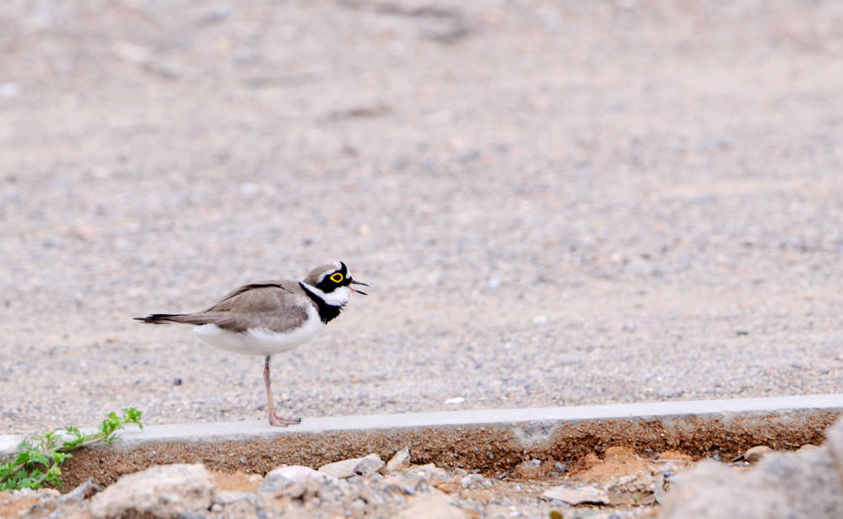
x=489 y=440
x=547 y=416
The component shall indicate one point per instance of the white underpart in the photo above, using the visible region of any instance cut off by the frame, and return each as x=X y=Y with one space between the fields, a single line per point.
x=339 y=297
x=260 y=341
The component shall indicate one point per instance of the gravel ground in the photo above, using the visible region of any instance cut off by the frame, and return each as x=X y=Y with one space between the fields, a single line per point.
x=555 y=203
x=623 y=486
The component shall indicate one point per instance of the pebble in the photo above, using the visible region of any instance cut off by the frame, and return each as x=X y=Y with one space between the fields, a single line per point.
x=354 y=466
x=578 y=495
x=285 y=476
x=398 y=460
x=472 y=481
x=368 y=465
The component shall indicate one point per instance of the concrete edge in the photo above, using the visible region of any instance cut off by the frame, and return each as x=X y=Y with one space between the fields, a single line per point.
x=547 y=417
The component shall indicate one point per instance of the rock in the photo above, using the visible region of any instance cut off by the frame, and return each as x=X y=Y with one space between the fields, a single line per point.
x=426 y=472
x=161 y=491
x=292 y=480
x=340 y=469
x=756 y=453
x=578 y=495
x=472 y=481
x=368 y=465
x=781 y=486
x=353 y=466
x=397 y=461
x=292 y=473
x=435 y=505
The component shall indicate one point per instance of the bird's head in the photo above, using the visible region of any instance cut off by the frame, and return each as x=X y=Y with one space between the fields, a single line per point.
x=333 y=283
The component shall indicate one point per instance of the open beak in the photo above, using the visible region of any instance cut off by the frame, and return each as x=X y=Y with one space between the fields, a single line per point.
x=353 y=282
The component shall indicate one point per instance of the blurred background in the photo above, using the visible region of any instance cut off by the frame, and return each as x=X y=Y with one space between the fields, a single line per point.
x=555 y=202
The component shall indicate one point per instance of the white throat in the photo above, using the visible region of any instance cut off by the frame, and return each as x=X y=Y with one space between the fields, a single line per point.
x=338 y=297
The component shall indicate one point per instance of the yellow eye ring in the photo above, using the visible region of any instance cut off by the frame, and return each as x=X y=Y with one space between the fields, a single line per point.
x=337 y=277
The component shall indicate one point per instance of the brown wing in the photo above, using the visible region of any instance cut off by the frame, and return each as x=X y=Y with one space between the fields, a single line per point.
x=247 y=293
x=272 y=305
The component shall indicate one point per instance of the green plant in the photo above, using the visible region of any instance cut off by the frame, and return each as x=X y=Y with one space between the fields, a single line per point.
x=38 y=458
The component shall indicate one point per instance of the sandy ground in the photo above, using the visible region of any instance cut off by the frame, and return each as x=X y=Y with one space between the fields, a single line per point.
x=556 y=203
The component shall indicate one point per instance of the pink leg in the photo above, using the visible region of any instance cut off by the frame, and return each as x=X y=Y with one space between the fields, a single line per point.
x=274 y=419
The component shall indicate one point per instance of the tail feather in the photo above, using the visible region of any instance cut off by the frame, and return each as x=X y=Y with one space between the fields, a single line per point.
x=170 y=318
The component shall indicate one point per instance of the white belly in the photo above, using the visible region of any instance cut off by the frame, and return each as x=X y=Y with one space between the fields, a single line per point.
x=260 y=342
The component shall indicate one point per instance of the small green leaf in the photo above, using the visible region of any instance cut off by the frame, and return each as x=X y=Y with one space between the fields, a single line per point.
x=38 y=458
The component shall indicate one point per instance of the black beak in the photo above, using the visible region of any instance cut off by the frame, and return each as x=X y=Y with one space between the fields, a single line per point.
x=354 y=282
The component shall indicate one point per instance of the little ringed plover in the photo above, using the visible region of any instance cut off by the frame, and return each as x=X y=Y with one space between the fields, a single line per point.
x=270 y=317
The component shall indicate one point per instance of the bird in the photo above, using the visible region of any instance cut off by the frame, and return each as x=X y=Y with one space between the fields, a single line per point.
x=270 y=317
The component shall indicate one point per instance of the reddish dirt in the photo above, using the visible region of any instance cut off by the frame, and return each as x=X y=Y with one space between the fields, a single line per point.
x=617 y=461
x=237 y=481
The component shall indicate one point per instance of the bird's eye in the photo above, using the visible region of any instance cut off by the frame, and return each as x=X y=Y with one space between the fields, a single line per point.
x=337 y=277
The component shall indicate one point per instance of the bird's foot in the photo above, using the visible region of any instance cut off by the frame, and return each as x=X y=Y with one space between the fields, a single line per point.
x=280 y=421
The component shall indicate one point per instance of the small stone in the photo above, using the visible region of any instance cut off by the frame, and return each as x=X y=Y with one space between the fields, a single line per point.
x=540 y=319
x=472 y=481
x=756 y=453
x=455 y=400
x=397 y=461
x=340 y=469
x=368 y=465
x=353 y=466
x=577 y=496
x=284 y=477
